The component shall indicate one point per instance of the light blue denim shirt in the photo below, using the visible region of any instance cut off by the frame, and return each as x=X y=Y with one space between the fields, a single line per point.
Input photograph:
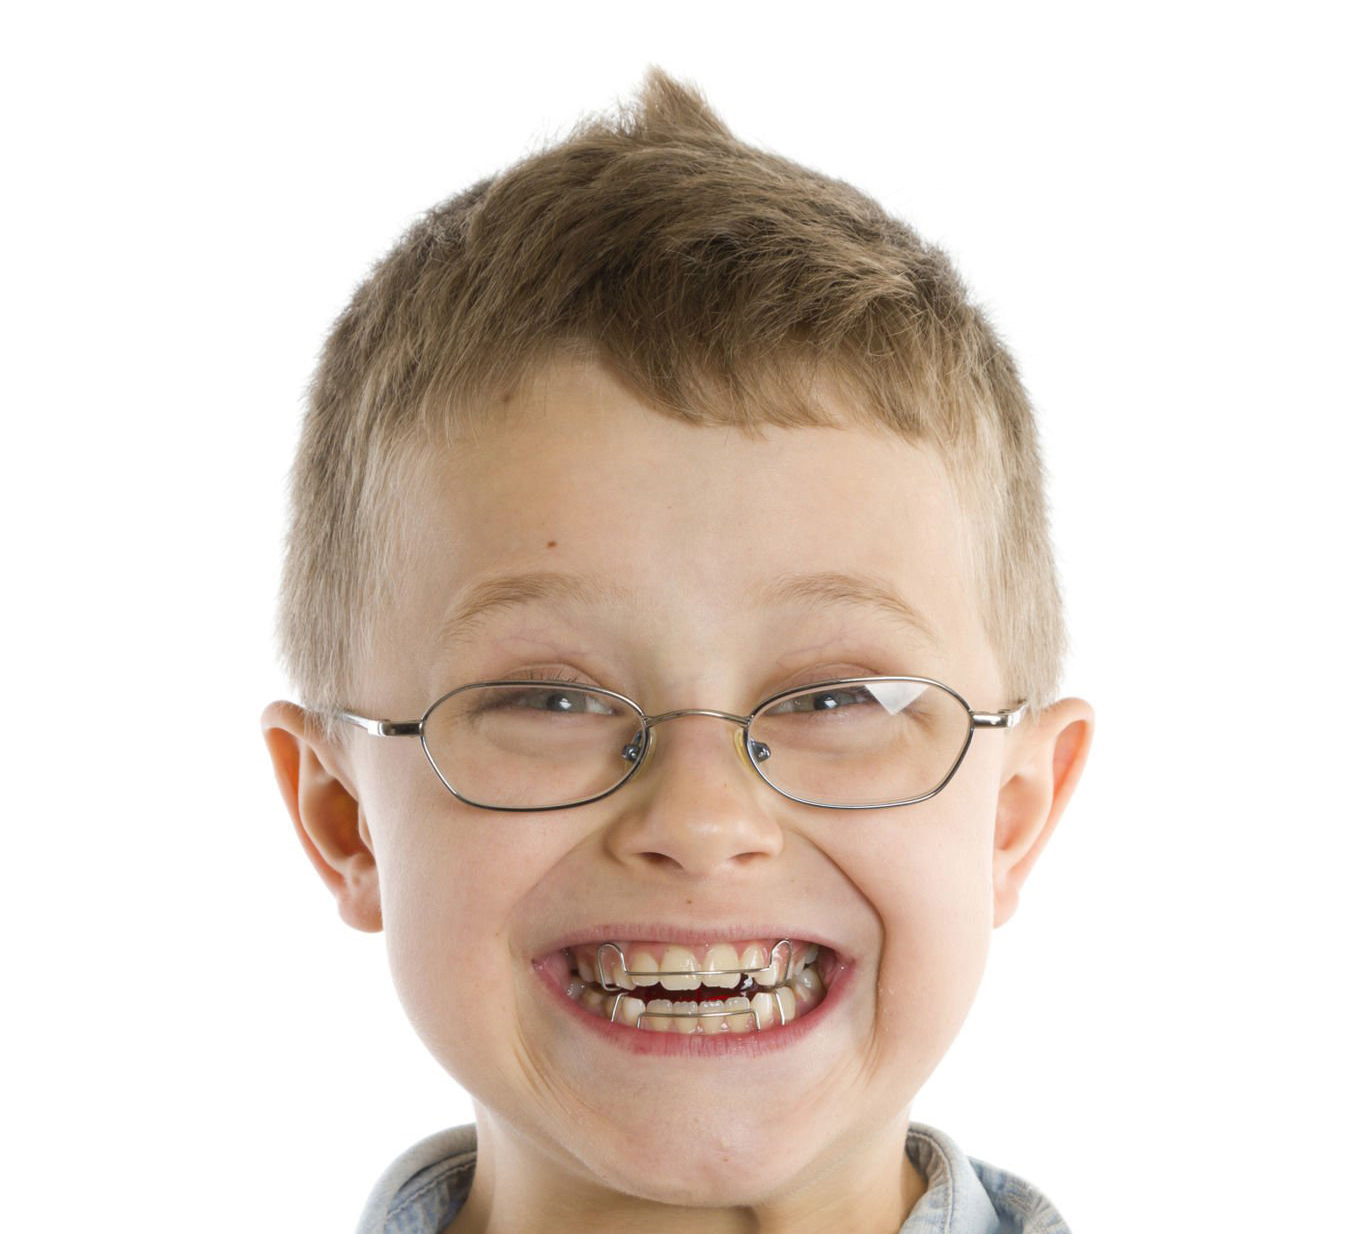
x=426 y=1187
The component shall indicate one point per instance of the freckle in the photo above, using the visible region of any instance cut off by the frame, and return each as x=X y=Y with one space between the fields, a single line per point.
x=552 y=544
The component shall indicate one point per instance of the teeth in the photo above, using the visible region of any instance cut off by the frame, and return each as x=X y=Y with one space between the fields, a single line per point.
x=782 y=990
x=739 y=1023
x=679 y=960
x=723 y=956
x=754 y=959
x=772 y=973
x=629 y=1011
x=802 y=958
x=763 y=1007
x=685 y=1020
x=610 y=967
x=808 y=988
x=641 y=966
x=712 y=1007
x=658 y=1013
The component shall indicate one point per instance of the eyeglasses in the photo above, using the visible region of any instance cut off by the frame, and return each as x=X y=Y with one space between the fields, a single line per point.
x=856 y=743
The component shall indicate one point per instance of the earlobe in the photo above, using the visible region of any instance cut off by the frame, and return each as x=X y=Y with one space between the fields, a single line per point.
x=326 y=815
x=1050 y=759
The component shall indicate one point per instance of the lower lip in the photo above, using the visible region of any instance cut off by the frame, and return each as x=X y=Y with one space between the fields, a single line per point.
x=699 y=1045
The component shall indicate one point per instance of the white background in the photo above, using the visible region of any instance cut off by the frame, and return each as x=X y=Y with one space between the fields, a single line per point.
x=1148 y=199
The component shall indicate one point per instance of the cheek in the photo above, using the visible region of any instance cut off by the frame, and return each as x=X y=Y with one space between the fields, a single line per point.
x=932 y=887
x=433 y=918
x=446 y=895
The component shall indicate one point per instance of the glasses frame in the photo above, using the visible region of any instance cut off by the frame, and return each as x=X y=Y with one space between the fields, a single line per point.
x=1006 y=718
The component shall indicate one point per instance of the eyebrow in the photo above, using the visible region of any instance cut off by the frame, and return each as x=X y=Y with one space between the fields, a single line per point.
x=518 y=590
x=853 y=590
x=828 y=588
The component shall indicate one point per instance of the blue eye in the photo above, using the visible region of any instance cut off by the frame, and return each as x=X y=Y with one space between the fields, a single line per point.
x=838 y=698
x=552 y=700
x=562 y=701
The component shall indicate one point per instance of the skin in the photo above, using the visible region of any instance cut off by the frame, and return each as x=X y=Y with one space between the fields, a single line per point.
x=582 y=479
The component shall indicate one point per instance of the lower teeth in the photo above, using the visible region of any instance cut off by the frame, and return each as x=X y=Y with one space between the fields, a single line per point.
x=766 y=1009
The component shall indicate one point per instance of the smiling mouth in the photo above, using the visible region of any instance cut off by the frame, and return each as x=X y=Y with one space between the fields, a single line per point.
x=742 y=987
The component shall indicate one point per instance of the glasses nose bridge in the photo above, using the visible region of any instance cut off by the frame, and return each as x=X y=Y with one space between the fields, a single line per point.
x=750 y=752
x=653 y=721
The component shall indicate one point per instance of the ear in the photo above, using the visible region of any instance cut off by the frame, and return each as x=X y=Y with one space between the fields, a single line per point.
x=325 y=811
x=1045 y=766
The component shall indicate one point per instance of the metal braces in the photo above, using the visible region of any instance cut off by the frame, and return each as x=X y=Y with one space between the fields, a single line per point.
x=615 y=951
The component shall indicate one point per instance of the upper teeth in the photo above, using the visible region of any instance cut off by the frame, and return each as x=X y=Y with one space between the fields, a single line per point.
x=678 y=968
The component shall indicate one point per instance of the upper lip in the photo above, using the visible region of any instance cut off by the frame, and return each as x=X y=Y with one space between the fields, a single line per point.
x=651 y=931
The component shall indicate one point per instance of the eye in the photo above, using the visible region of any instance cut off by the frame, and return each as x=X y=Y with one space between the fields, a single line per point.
x=836 y=698
x=550 y=698
x=565 y=702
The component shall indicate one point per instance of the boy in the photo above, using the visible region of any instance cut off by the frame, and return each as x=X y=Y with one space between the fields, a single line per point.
x=660 y=507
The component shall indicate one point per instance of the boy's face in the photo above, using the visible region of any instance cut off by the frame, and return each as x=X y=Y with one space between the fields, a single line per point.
x=666 y=545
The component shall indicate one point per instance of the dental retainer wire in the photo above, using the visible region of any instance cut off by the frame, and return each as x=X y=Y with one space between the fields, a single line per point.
x=611 y=987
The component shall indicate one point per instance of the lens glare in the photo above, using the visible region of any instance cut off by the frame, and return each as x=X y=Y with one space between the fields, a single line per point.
x=531 y=745
x=866 y=742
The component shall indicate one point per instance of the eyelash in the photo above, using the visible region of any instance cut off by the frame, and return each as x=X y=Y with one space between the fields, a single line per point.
x=567 y=676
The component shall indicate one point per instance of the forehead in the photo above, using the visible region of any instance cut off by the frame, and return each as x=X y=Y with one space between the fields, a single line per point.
x=580 y=495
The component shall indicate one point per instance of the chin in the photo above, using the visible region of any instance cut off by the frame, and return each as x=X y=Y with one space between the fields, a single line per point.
x=703 y=1161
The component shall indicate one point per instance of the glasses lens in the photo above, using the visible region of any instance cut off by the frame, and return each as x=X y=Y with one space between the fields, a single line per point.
x=540 y=745
x=879 y=741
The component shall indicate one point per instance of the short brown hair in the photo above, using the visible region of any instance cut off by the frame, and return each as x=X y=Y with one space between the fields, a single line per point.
x=723 y=284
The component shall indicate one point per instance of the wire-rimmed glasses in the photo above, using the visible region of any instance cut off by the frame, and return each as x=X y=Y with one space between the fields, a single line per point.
x=853 y=743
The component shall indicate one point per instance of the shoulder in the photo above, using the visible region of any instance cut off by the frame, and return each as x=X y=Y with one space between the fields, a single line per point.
x=424 y=1187
x=969 y=1196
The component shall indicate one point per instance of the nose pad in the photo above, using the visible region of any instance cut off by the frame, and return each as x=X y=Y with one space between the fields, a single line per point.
x=740 y=741
x=639 y=749
x=632 y=752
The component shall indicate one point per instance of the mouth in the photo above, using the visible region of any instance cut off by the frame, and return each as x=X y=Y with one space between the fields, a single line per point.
x=756 y=986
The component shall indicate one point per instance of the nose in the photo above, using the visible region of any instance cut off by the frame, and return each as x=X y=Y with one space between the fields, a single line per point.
x=696 y=808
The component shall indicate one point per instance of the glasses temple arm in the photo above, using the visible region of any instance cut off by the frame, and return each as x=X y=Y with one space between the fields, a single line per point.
x=382 y=728
x=999 y=719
